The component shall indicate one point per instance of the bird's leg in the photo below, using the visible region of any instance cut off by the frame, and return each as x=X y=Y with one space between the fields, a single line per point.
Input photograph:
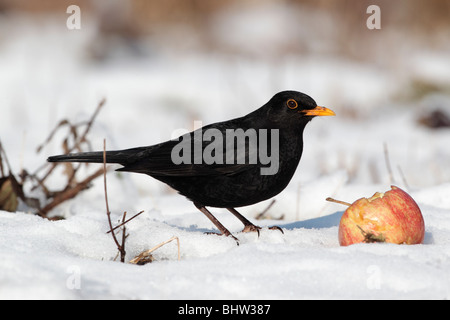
x=248 y=226
x=216 y=222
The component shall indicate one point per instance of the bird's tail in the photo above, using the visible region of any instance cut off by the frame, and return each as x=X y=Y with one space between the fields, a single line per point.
x=121 y=157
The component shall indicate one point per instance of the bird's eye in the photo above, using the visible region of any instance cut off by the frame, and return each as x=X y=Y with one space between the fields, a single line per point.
x=292 y=104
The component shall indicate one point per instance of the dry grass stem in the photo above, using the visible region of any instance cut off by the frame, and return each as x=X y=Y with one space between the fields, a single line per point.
x=388 y=163
x=146 y=256
x=120 y=246
x=338 y=201
x=125 y=222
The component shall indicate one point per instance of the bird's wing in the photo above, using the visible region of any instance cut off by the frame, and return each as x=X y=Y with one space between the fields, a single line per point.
x=173 y=158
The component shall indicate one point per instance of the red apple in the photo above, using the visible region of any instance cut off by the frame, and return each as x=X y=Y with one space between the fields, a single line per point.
x=392 y=217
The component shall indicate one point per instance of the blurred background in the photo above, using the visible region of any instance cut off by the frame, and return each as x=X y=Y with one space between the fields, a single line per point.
x=160 y=65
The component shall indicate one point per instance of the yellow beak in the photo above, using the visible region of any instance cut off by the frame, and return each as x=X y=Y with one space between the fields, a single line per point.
x=319 y=111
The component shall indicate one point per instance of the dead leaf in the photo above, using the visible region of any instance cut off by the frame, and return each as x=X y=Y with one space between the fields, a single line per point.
x=8 y=197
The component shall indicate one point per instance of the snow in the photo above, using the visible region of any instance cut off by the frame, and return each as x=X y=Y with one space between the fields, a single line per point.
x=149 y=99
x=40 y=259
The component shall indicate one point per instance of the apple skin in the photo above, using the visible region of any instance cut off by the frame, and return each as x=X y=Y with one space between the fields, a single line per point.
x=392 y=217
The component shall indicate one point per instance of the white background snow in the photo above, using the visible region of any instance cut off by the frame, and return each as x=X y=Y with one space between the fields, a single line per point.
x=46 y=75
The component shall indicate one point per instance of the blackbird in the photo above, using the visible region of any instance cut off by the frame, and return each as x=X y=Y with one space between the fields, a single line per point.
x=226 y=164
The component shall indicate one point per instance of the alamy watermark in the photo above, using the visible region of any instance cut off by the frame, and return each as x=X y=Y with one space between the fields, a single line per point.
x=374 y=20
x=73 y=281
x=73 y=22
x=230 y=147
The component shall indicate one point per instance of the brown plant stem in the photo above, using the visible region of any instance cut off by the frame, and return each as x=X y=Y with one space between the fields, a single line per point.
x=338 y=201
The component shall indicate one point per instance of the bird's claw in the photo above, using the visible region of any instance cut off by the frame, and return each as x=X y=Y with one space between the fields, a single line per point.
x=224 y=234
x=276 y=228
x=253 y=228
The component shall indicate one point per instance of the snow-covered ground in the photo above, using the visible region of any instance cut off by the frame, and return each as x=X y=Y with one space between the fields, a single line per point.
x=46 y=77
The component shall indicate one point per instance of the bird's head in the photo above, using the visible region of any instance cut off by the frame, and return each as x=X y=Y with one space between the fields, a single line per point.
x=294 y=106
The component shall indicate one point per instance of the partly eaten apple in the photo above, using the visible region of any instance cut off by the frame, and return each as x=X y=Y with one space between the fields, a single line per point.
x=392 y=217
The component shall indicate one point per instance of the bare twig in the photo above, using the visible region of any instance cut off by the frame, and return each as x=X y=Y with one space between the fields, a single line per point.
x=124 y=237
x=61 y=124
x=388 y=163
x=338 y=201
x=89 y=125
x=78 y=140
x=125 y=222
x=120 y=247
x=405 y=182
x=70 y=193
x=2 y=151
x=1 y=161
x=261 y=215
x=73 y=130
x=54 y=197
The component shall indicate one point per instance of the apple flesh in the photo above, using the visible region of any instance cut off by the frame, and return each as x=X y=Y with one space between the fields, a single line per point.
x=392 y=217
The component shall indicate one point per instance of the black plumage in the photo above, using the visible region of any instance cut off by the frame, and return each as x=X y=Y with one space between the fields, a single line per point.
x=272 y=140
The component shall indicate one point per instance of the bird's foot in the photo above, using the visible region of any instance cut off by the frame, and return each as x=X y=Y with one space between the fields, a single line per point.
x=276 y=228
x=224 y=234
x=223 y=231
x=253 y=228
x=248 y=226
